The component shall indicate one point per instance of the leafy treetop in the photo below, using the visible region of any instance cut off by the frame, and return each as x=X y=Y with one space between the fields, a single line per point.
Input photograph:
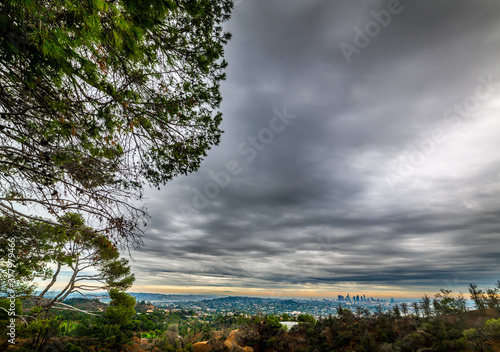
x=99 y=98
x=89 y=259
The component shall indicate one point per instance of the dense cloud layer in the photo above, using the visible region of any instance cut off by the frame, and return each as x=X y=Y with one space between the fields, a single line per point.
x=382 y=170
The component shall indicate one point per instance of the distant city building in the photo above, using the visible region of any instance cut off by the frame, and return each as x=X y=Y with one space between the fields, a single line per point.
x=340 y=298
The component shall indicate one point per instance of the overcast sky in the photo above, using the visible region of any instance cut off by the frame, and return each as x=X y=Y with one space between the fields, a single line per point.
x=361 y=153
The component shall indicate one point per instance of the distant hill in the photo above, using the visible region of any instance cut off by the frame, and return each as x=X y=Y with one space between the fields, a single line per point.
x=140 y=296
x=169 y=298
x=91 y=305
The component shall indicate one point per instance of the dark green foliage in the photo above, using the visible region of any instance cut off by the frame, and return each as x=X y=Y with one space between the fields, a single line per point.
x=493 y=327
x=444 y=303
x=42 y=331
x=306 y=318
x=425 y=304
x=344 y=339
x=493 y=297
x=72 y=246
x=396 y=311
x=368 y=343
x=121 y=307
x=72 y=348
x=99 y=98
x=27 y=263
x=412 y=342
x=178 y=331
x=476 y=339
x=268 y=330
x=9 y=308
x=385 y=329
x=478 y=296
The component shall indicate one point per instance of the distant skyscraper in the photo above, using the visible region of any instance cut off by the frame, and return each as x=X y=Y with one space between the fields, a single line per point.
x=348 y=299
x=357 y=298
x=340 y=298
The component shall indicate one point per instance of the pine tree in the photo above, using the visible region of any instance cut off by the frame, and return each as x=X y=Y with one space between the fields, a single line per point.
x=477 y=296
x=100 y=98
x=426 y=305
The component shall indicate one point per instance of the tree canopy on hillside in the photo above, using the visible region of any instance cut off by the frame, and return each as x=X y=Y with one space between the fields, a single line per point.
x=100 y=98
x=72 y=257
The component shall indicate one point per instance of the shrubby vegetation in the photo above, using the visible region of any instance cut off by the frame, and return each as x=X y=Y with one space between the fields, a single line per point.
x=441 y=323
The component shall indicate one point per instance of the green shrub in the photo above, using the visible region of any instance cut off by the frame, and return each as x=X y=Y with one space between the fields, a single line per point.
x=470 y=334
x=344 y=338
x=412 y=342
x=454 y=334
x=492 y=327
x=386 y=347
x=455 y=345
x=72 y=348
x=306 y=318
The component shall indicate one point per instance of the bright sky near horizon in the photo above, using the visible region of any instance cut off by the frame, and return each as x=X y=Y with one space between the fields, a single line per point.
x=360 y=154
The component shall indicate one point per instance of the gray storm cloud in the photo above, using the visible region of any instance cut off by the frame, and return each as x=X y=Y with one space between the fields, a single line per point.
x=388 y=173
